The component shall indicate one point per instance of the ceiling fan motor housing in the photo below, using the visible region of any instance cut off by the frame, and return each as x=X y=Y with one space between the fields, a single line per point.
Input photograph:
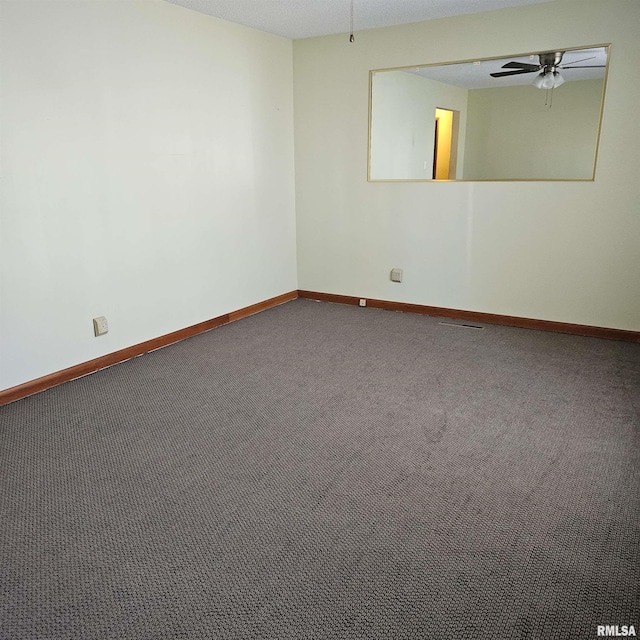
x=549 y=61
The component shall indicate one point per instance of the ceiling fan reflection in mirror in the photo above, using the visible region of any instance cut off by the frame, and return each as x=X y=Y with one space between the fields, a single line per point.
x=549 y=68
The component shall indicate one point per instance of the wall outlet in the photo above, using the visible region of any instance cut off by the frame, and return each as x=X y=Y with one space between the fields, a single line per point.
x=100 y=326
x=363 y=302
x=396 y=275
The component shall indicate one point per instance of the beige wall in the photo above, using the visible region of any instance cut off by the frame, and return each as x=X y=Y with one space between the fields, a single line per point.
x=514 y=135
x=147 y=175
x=561 y=251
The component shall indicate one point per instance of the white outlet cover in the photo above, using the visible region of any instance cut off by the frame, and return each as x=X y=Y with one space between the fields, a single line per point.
x=100 y=326
x=396 y=275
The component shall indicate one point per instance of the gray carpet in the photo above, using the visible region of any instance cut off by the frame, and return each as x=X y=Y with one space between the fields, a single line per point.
x=325 y=471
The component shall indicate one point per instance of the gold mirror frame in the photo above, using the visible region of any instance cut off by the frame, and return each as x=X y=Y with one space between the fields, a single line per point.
x=536 y=135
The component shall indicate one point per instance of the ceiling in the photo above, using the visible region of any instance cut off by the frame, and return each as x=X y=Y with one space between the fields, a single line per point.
x=307 y=18
x=475 y=75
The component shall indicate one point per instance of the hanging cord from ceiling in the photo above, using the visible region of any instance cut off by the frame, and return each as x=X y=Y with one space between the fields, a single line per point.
x=351 y=38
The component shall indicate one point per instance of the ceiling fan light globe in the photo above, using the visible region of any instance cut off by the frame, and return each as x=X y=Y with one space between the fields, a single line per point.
x=558 y=79
x=538 y=80
x=548 y=81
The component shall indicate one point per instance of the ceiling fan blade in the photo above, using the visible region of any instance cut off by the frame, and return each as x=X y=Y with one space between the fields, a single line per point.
x=583 y=60
x=521 y=65
x=517 y=72
x=588 y=66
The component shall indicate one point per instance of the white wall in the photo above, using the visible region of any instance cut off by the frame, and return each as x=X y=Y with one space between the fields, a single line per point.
x=403 y=108
x=147 y=175
x=513 y=135
x=560 y=251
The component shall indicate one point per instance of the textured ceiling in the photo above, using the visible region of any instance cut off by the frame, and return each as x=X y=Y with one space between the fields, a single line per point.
x=306 y=18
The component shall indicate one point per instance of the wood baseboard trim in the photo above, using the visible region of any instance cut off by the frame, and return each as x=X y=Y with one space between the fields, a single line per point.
x=477 y=316
x=262 y=306
x=46 y=382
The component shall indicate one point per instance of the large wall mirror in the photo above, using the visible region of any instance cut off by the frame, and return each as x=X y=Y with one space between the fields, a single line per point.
x=522 y=117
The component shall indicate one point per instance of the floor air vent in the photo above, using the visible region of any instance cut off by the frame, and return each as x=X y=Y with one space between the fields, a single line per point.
x=463 y=325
